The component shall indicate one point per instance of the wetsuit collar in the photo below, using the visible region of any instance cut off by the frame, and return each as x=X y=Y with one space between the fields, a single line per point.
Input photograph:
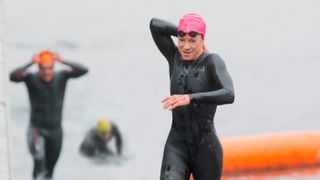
x=45 y=82
x=202 y=56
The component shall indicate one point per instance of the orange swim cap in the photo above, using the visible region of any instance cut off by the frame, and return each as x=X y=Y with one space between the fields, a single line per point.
x=46 y=57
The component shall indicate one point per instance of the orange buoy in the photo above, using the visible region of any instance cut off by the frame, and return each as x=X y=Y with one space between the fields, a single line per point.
x=271 y=151
x=278 y=152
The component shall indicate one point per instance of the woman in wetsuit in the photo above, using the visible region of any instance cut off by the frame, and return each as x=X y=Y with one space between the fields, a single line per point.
x=46 y=90
x=199 y=82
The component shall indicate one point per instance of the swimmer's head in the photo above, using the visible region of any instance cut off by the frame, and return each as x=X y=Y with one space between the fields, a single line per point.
x=192 y=24
x=46 y=62
x=103 y=125
x=46 y=58
x=103 y=128
x=191 y=33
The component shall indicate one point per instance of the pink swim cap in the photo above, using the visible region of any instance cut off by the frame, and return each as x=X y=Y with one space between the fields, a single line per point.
x=192 y=22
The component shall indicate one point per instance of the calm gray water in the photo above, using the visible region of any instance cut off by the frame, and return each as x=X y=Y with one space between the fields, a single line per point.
x=271 y=48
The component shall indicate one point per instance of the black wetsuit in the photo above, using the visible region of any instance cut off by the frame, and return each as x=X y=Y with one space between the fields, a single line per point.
x=94 y=145
x=46 y=100
x=192 y=145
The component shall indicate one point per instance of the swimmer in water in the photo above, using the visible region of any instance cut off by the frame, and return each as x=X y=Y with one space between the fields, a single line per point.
x=97 y=139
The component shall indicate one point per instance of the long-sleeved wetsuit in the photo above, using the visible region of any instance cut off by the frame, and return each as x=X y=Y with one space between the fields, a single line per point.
x=192 y=145
x=46 y=100
x=93 y=144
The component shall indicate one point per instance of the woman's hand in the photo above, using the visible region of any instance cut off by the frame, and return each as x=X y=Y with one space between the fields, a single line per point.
x=176 y=100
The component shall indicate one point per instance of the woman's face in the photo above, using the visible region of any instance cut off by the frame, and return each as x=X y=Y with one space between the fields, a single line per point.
x=190 y=47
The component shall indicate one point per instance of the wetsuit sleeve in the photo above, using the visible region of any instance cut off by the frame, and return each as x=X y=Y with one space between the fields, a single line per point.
x=77 y=70
x=87 y=146
x=161 y=33
x=225 y=93
x=20 y=74
x=116 y=133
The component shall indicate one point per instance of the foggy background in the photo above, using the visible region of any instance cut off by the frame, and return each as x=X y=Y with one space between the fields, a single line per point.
x=271 y=49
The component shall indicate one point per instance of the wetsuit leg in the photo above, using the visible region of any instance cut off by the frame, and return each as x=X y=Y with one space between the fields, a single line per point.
x=174 y=163
x=53 y=148
x=207 y=164
x=36 y=144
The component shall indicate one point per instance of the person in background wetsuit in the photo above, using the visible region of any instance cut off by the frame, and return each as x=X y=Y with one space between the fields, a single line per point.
x=96 y=140
x=46 y=90
x=199 y=82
